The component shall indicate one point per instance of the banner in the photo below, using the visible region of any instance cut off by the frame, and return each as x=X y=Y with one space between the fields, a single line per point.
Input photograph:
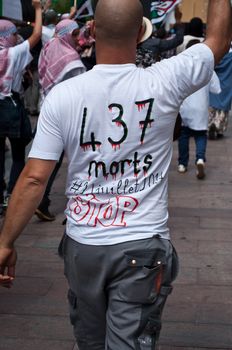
x=11 y=9
x=157 y=11
x=84 y=9
x=22 y=9
x=160 y=9
x=17 y=10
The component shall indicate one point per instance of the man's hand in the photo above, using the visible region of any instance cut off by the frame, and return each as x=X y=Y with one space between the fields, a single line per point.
x=47 y=5
x=72 y=13
x=8 y=257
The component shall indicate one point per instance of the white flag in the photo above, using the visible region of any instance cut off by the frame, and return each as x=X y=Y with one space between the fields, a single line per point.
x=11 y=9
x=81 y=13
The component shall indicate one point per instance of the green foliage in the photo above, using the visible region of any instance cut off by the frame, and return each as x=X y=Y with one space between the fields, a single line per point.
x=62 y=6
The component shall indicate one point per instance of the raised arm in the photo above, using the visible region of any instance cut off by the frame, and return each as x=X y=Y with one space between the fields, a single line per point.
x=72 y=13
x=219 y=28
x=37 y=31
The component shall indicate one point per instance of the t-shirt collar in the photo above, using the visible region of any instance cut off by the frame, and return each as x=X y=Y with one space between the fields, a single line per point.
x=114 y=66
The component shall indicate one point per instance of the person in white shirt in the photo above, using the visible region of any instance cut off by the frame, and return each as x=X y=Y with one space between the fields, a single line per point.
x=194 y=112
x=50 y=20
x=14 y=122
x=116 y=124
x=59 y=61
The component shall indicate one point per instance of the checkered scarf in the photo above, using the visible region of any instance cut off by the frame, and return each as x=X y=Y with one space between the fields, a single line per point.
x=7 y=28
x=56 y=54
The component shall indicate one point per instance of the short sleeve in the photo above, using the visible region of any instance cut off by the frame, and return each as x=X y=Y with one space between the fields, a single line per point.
x=21 y=56
x=215 y=87
x=185 y=73
x=48 y=142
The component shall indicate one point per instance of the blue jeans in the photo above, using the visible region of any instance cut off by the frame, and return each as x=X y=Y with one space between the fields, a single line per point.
x=200 y=137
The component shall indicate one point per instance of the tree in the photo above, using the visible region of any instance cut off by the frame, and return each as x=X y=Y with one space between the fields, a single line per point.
x=62 y=6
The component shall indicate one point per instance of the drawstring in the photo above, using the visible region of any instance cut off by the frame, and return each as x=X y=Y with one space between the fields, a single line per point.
x=13 y=101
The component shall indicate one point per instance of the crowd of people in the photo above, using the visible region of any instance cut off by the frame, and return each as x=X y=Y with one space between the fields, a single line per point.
x=65 y=50
x=53 y=57
x=107 y=104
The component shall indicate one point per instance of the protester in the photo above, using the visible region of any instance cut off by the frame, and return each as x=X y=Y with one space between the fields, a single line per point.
x=194 y=112
x=50 y=20
x=59 y=60
x=116 y=124
x=31 y=78
x=150 y=47
x=14 y=122
x=220 y=105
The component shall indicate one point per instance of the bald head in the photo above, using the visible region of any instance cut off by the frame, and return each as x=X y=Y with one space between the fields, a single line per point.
x=118 y=21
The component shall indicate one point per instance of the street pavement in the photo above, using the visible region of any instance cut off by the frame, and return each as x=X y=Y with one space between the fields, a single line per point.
x=198 y=314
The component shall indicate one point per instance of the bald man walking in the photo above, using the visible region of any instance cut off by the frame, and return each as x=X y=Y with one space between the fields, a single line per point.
x=116 y=124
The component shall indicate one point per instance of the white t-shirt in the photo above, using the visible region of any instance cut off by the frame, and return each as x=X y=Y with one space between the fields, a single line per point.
x=194 y=110
x=116 y=124
x=19 y=58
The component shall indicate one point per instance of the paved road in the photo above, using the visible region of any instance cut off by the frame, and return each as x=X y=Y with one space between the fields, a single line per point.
x=33 y=314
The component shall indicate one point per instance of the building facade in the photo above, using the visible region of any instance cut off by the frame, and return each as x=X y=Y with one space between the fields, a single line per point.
x=194 y=8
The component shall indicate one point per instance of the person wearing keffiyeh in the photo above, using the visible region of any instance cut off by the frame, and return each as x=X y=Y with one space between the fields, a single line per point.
x=14 y=122
x=8 y=38
x=59 y=60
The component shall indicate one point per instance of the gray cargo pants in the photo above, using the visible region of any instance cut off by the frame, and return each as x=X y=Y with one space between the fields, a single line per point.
x=117 y=292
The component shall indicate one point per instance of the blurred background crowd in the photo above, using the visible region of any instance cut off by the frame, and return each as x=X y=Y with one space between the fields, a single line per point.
x=66 y=48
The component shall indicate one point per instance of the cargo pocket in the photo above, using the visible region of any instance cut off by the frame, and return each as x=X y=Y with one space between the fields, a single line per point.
x=144 y=276
x=147 y=340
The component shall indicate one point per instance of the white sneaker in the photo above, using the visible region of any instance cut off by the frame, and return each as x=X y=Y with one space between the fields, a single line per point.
x=182 y=169
x=200 y=173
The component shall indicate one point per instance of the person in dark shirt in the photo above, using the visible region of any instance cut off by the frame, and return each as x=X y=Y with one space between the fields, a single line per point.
x=148 y=51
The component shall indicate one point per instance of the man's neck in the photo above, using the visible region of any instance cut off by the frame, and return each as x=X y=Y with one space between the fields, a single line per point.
x=109 y=55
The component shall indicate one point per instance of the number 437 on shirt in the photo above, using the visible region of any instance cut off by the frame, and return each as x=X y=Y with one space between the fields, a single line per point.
x=119 y=121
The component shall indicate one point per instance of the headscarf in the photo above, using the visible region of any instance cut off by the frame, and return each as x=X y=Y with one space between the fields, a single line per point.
x=7 y=29
x=57 y=54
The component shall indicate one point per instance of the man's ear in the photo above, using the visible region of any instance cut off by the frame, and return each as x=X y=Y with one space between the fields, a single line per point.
x=92 y=29
x=141 y=32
